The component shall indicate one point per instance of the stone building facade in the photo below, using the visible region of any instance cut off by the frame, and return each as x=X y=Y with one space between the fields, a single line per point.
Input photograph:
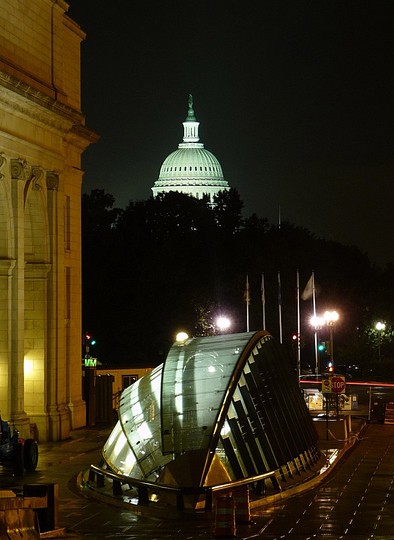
x=42 y=138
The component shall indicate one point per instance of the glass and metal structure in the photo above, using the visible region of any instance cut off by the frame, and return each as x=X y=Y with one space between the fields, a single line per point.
x=221 y=408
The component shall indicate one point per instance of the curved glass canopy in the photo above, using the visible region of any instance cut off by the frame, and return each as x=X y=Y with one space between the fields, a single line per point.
x=220 y=408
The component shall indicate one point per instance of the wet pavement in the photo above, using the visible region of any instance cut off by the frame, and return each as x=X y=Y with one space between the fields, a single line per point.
x=354 y=502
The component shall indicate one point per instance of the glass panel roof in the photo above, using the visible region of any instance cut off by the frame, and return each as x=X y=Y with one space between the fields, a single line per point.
x=195 y=378
x=138 y=430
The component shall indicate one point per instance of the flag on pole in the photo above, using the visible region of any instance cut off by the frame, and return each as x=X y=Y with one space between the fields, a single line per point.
x=307 y=293
x=247 y=290
x=311 y=288
x=279 y=290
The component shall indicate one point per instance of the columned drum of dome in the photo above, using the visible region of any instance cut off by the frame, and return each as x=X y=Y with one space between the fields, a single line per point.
x=191 y=169
x=219 y=409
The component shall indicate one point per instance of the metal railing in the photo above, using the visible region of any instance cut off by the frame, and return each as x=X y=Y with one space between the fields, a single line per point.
x=145 y=490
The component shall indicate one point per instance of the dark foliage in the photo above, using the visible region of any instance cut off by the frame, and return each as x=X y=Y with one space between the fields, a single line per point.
x=175 y=262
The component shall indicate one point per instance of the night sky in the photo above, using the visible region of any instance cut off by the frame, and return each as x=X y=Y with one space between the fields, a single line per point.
x=294 y=98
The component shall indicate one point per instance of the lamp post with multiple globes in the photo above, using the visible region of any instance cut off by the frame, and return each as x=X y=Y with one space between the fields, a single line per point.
x=329 y=318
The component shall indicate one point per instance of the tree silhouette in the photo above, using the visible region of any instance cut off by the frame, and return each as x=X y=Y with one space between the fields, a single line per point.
x=173 y=262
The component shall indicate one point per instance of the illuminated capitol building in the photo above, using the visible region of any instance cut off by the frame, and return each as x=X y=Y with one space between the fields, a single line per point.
x=191 y=169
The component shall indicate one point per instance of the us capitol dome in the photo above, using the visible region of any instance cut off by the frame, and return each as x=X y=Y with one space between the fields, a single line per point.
x=191 y=169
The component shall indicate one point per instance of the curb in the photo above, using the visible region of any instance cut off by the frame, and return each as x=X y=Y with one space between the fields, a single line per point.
x=292 y=491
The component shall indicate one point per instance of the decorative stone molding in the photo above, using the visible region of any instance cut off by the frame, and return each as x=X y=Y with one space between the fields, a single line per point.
x=2 y=162
x=7 y=266
x=36 y=175
x=37 y=270
x=20 y=169
x=52 y=180
x=47 y=110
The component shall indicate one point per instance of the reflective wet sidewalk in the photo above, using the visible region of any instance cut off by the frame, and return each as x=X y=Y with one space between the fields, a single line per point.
x=355 y=501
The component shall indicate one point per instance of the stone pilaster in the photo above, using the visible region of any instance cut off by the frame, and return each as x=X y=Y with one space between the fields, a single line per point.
x=6 y=271
x=20 y=174
x=58 y=410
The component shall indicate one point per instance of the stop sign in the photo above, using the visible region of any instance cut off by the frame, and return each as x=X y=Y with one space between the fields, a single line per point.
x=338 y=384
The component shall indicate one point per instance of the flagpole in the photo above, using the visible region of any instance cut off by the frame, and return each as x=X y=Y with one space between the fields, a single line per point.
x=247 y=298
x=298 y=326
x=263 y=298
x=314 y=315
x=280 y=308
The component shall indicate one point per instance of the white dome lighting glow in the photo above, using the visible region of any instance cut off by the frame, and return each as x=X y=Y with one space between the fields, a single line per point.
x=191 y=169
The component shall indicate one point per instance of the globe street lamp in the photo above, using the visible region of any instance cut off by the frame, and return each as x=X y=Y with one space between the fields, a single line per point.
x=380 y=327
x=223 y=323
x=331 y=317
x=181 y=337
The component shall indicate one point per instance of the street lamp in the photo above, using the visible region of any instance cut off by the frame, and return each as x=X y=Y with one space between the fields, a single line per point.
x=331 y=317
x=181 y=337
x=223 y=323
x=380 y=327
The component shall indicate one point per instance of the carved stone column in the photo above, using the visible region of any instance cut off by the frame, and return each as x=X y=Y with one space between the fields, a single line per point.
x=59 y=413
x=20 y=174
x=6 y=271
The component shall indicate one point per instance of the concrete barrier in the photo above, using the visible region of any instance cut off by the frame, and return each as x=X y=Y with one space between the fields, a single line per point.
x=47 y=516
x=20 y=524
x=25 y=518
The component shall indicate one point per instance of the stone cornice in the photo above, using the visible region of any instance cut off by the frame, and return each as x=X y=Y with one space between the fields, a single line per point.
x=81 y=136
x=39 y=98
x=37 y=270
x=19 y=98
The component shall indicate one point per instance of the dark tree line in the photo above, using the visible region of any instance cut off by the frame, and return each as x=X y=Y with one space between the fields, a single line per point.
x=174 y=262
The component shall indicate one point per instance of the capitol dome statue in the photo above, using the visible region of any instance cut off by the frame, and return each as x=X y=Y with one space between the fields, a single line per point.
x=191 y=169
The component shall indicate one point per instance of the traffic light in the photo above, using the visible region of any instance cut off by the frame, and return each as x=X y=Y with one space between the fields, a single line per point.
x=322 y=347
x=88 y=341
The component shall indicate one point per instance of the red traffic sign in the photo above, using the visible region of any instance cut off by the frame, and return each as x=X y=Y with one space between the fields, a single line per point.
x=338 y=384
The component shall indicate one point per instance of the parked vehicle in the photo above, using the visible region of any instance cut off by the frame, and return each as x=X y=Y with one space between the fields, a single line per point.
x=19 y=453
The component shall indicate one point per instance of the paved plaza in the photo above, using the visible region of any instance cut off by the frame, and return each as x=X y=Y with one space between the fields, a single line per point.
x=354 y=501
